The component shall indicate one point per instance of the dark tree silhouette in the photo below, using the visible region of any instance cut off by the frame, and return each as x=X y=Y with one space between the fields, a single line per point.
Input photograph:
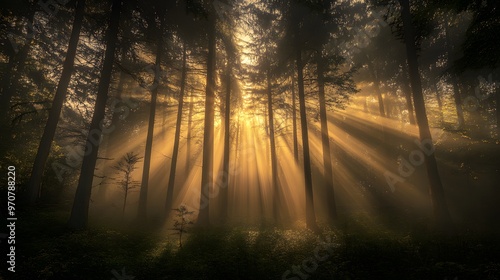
x=126 y=166
x=294 y=120
x=177 y=136
x=207 y=183
x=143 y=198
x=34 y=185
x=441 y=212
x=325 y=141
x=79 y=212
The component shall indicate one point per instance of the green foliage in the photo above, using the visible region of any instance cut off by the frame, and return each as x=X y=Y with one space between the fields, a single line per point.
x=360 y=251
x=182 y=222
x=126 y=166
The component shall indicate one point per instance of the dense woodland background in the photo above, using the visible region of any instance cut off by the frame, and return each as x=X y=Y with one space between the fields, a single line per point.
x=201 y=139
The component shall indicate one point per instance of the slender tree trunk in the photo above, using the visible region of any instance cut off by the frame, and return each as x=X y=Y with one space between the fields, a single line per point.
x=384 y=147
x=208 y=137
x=227 y=145
x=112 y=150
x=34 y=184
x=236 y=149
x=441 y=213
x=180 y=238
x=165 y=112
x=143 y=197
x=388 y=105
x=456 y=92
x=325 y=141
x=274 y=161
x=310 y=214
x=190 y=127
x=440 y=103
x=266 y=122
x=79 y=212
x=235 y=178
x=376 y=84
x=175 y=152
x=380 y=98
x=294 y=120
x=407 y=93
x=458 y=103
x=125 y=199
x=117 y=132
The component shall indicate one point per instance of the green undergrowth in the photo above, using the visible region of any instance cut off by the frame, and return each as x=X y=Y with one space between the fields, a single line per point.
x=47 y=250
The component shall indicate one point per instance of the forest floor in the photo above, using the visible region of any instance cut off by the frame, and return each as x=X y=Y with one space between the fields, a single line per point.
x=356 y=250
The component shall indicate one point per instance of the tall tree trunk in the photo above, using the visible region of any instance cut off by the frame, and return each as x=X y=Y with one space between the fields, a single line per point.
x=310 y=214
x=294 y=120
x=441 y=213
x=34 y=184
x=440 y=103
x=125 y=199
x=143 y=196
x=325 y=141
x=227 y=145
x=112 y=150
x=407 y=93
x=189 y=134
x=456 y=91
x=274 y=162
x=79 y=212
x=236 y=149
x=376 y=84
x=388 y=105
x=458 y=103
x=266 y=123
x=165 y=112
x=175 y=152
x=208 y=137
